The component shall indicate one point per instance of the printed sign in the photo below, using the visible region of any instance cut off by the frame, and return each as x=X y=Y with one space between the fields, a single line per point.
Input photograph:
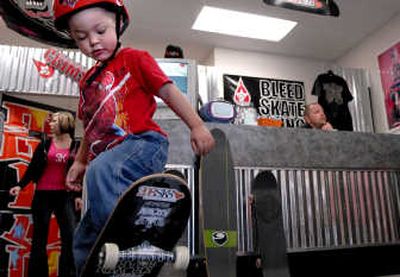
x=57 y=60
x=278 y=100
x=389 y=67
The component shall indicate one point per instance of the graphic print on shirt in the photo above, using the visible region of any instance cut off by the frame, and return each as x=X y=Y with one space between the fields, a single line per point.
x=101 y=110
x=61 y=157
x=333 y=93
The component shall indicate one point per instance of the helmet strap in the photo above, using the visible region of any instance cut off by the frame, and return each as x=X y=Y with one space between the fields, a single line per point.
x=118 y=25
x=100 y=68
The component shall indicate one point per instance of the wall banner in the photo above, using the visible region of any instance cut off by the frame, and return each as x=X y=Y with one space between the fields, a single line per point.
x=274 y=99
x=389 y=67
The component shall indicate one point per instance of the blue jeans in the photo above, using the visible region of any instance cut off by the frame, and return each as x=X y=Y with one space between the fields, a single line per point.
x=108 y=176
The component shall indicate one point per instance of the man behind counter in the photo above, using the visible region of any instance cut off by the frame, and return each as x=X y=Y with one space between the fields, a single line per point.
x=315 y=118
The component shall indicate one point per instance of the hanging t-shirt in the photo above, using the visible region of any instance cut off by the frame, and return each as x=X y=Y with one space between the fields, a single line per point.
x=334 y=96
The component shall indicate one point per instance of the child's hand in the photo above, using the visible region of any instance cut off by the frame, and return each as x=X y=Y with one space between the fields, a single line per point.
x=78 y=204
x=75 y=176
x=201 y=139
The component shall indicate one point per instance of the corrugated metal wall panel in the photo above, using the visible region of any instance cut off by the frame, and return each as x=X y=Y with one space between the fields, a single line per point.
x=18 y=72
x=189 y=238
x=328 y=209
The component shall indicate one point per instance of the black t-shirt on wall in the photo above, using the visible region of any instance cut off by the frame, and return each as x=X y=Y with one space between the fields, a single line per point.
x=334 y=96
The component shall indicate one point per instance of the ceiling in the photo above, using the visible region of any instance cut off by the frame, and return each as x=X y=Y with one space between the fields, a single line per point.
x=160 y=22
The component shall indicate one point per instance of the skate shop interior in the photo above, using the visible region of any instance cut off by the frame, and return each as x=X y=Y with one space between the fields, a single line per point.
x=338 y=204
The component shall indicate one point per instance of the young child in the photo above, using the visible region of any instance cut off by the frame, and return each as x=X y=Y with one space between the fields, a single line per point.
x=121 y=140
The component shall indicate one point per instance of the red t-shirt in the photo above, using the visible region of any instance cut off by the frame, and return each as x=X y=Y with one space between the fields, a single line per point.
x=120 y=101
x=54 y=174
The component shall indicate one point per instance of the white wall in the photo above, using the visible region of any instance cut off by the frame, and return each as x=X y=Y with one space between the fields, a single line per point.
x=366 y=56
x=269 y=66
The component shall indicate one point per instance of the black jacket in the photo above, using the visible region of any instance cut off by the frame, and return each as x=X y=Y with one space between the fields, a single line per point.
x=39 y=161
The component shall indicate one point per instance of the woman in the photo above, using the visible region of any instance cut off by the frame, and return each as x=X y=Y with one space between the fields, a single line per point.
x=47 y=169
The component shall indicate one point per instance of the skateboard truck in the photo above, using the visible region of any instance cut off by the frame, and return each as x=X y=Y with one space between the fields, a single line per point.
x=140 y=259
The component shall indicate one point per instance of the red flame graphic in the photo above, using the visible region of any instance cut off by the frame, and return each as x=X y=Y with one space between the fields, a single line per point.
x=45 y=71
x=241 y=96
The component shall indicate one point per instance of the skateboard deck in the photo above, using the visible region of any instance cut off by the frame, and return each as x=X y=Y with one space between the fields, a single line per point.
x=268 y=222
x=218 y=205
x=143 y=229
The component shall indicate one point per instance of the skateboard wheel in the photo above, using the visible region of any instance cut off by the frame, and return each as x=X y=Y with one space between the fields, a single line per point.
x=110 y=252
x=182 y=258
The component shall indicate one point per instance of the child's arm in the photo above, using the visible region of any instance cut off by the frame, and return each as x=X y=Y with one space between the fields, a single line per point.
x=77 y=170
x=200 y=138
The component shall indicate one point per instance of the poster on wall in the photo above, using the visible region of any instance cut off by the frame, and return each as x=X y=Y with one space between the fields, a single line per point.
x=274 y=99
x=389 y=66
x=24 y=124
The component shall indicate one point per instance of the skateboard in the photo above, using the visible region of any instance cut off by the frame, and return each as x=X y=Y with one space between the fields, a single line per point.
x=218 y=208
x=141 y=233
x=268 y=222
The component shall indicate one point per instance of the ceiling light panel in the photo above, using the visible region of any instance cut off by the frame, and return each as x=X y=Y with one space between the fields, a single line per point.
x=241 y=24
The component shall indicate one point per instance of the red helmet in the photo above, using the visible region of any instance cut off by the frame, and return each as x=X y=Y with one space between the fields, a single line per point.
x=63 y=9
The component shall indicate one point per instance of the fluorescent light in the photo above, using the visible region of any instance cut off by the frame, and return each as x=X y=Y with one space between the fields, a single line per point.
x=241 y=24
